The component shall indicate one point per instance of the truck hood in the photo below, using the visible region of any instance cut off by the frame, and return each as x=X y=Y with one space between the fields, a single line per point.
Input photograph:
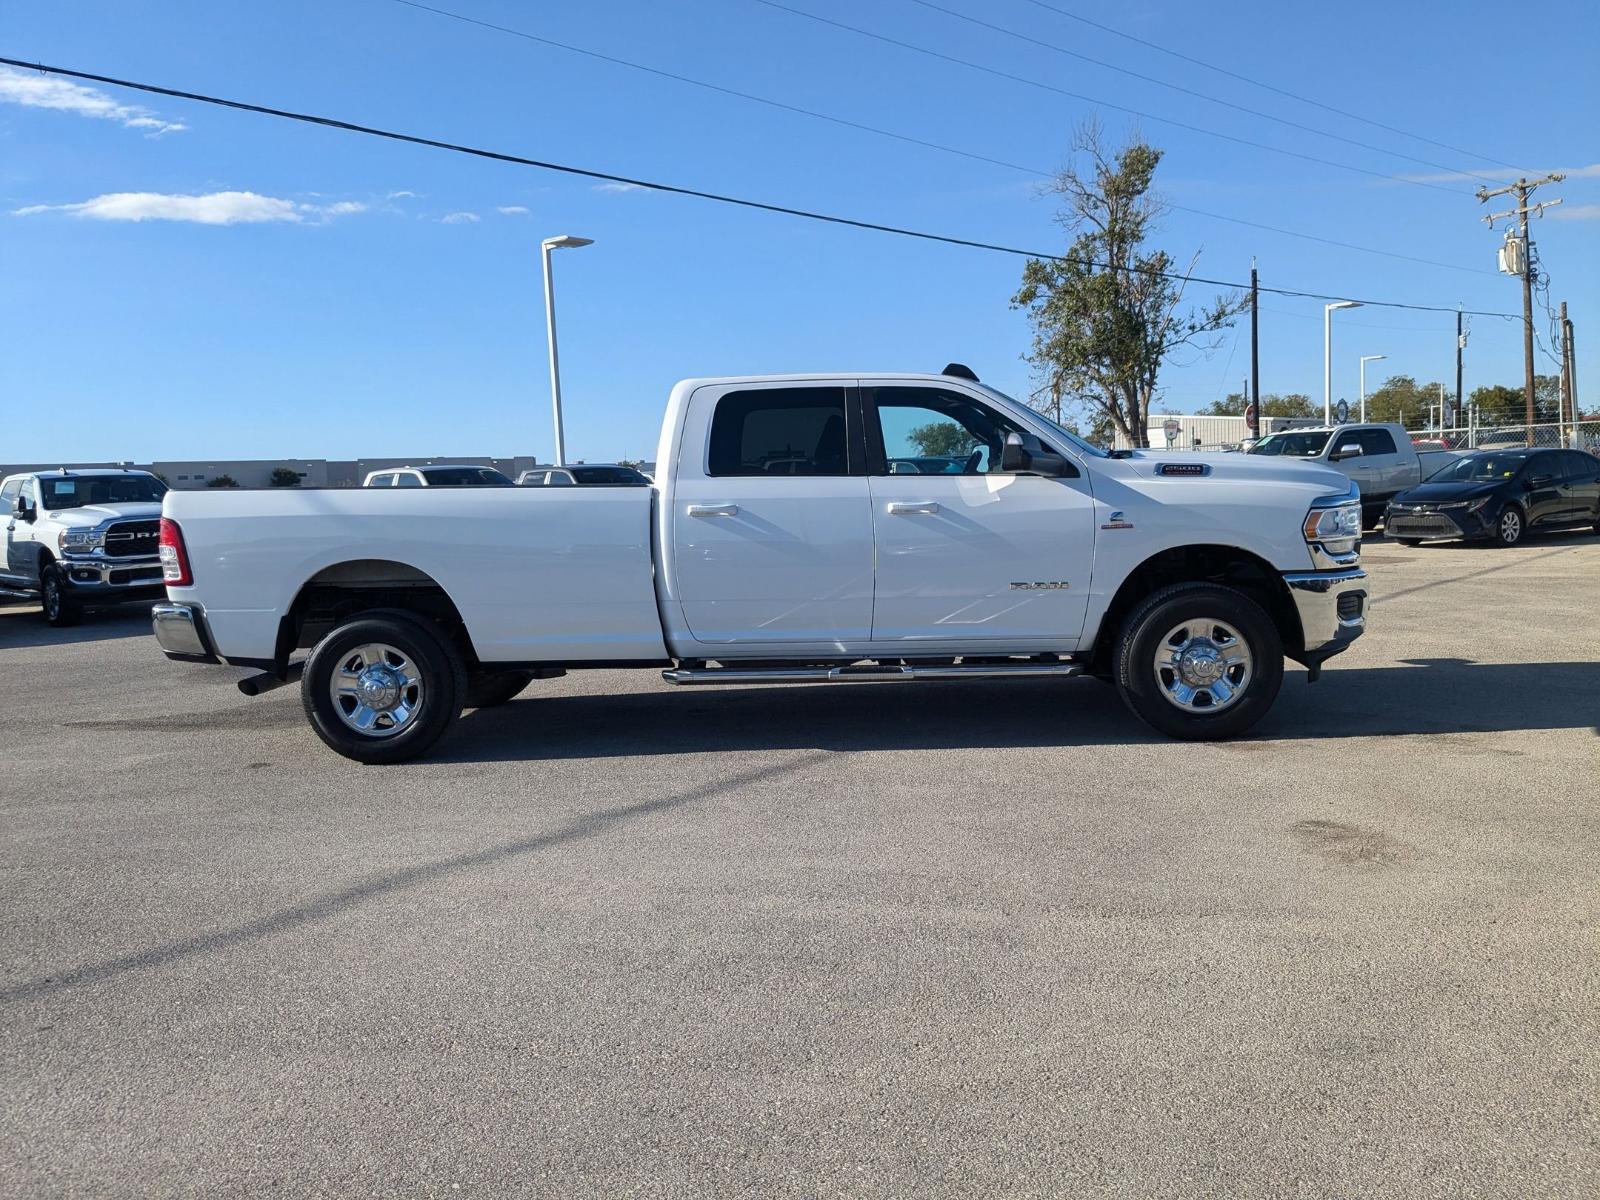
x=91 y=515
x=1264 y=468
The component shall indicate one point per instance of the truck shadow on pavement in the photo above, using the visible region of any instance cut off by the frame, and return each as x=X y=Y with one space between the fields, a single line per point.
x=1424 y=696
x=21 y=626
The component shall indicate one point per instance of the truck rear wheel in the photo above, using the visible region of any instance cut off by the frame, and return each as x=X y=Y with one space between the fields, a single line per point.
x=1199 y=661
x=383 y=689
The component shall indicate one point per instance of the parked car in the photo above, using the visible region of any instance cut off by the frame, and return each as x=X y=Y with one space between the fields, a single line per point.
x=81 y=539
x=1185 y=579
x=583 y=475
x=1380 y=459
x=465 y=475
x=1500 y=496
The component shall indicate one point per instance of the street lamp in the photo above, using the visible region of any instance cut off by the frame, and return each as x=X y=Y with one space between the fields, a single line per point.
x=1365 y=359
x=1327 y=356
x=564 y=242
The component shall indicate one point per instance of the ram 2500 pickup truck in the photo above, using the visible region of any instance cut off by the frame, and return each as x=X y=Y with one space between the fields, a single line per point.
x=1379 y=459
x=779 y=545
x=76 y=539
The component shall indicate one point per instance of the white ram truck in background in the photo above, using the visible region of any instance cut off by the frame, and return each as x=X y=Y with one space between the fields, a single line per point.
x=803 y=528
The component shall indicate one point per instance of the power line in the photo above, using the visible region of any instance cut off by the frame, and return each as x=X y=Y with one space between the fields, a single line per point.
x=673 y=189
x=1254 y=112
x=878 y=131
x=1072 y=16
x=712 y=87
x=1144 y=116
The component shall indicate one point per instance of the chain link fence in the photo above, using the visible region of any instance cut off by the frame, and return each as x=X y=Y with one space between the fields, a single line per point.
x=1568 y=435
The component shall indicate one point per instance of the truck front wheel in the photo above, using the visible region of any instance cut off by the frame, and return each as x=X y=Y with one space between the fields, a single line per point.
x=56 y=601
x=383 y=689
x=1199 y=661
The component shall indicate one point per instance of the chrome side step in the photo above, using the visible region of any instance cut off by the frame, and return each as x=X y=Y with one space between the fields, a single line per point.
x=867 y=674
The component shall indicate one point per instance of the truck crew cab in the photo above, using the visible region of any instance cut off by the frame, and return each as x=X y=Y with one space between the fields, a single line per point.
x=780 y=545
x=81 y=539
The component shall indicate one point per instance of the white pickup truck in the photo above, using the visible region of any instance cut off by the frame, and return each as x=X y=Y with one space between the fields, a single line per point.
x=1380 y=459
x=804 y=528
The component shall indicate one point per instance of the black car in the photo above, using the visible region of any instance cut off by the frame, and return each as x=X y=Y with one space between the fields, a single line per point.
x=1500 y=495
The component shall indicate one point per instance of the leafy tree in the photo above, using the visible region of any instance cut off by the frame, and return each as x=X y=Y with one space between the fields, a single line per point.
x=1107 y=315
x=1292 y=404
x=942 y=439
x=283 y=477
x=222 y=481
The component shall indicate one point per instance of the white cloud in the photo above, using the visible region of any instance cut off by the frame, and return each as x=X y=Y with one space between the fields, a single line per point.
x=512 y=210
x=401 y=195
x=41 y=91
x=1509 y=174
x=617 y=187
x=460 y=218
x=214 y=208
x=1575 y=212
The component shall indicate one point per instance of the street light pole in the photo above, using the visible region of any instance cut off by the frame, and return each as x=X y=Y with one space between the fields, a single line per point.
x=1327 y=356
x=564 y=242
x=1365 y=359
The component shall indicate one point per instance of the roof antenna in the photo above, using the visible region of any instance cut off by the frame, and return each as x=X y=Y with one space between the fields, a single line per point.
x=960 y=371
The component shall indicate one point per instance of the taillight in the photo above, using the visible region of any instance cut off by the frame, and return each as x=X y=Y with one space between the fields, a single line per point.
x=174 y=558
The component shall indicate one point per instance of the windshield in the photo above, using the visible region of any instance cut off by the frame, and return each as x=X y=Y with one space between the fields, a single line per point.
x=1295 y=445
x=1079 y=443
x=1479 y=468
x=101 y=489
x=614 y=476
x=466 y=477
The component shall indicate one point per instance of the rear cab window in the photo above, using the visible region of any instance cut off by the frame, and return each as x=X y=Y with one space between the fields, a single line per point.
x=781 y=431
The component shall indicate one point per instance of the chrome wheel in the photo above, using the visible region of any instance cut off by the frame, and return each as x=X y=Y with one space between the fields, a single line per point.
x=376 y=690
x=1510 y=526
x=1203 y=665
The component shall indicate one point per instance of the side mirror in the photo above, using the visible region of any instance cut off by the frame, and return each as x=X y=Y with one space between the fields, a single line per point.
x=1351 y=450
x=1017 y=459
x=21 y=509
x=1539 y=481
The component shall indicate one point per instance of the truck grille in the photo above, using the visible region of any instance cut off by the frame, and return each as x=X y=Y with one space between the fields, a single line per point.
x=133 y=539
x=134 y=575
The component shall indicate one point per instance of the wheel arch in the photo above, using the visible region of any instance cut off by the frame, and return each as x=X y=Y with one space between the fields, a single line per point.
x=1229 y=566
x=344 y=590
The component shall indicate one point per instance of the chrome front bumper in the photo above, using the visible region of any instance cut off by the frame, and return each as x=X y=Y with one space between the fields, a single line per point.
x=1333 y=611
x=94 y=574
x=181 y=633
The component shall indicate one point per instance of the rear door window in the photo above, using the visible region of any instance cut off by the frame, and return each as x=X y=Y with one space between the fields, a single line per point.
x=781 y=431
x=407 y=479
x=1376 y=441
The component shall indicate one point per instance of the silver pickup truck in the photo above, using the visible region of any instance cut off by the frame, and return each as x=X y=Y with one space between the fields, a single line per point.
x=1379 y=458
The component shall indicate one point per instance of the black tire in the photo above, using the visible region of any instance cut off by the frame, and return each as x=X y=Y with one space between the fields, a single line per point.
x=56 y=601
x=489 y=689
x=443 y=686
x=1144 y=690
x=1409 y=541
x=1511 y=526
x=1371 y=518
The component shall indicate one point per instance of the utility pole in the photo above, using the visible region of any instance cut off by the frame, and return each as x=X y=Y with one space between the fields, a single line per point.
x=1461 y=344
x=1522 y=189
x=1572 y=369
x=1255 y=353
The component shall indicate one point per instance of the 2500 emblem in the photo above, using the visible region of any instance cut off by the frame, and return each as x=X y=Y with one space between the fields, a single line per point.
x=1047 y=586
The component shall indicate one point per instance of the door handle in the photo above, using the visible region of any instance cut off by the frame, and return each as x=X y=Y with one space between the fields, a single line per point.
x=906 y=508
x=713 y=510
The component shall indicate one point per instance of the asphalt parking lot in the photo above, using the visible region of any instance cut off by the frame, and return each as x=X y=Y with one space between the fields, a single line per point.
x=966 y=938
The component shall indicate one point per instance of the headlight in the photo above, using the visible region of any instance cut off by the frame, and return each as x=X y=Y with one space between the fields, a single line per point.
x=79 y=539
x=1478 y=504
x=1333 y=524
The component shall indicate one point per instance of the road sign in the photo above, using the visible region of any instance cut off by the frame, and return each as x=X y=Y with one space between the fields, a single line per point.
x=1172 y=429
x=1341 y=412
x=1250 y=416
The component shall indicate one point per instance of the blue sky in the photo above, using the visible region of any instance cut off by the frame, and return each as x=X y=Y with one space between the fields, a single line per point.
x=385 y=299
